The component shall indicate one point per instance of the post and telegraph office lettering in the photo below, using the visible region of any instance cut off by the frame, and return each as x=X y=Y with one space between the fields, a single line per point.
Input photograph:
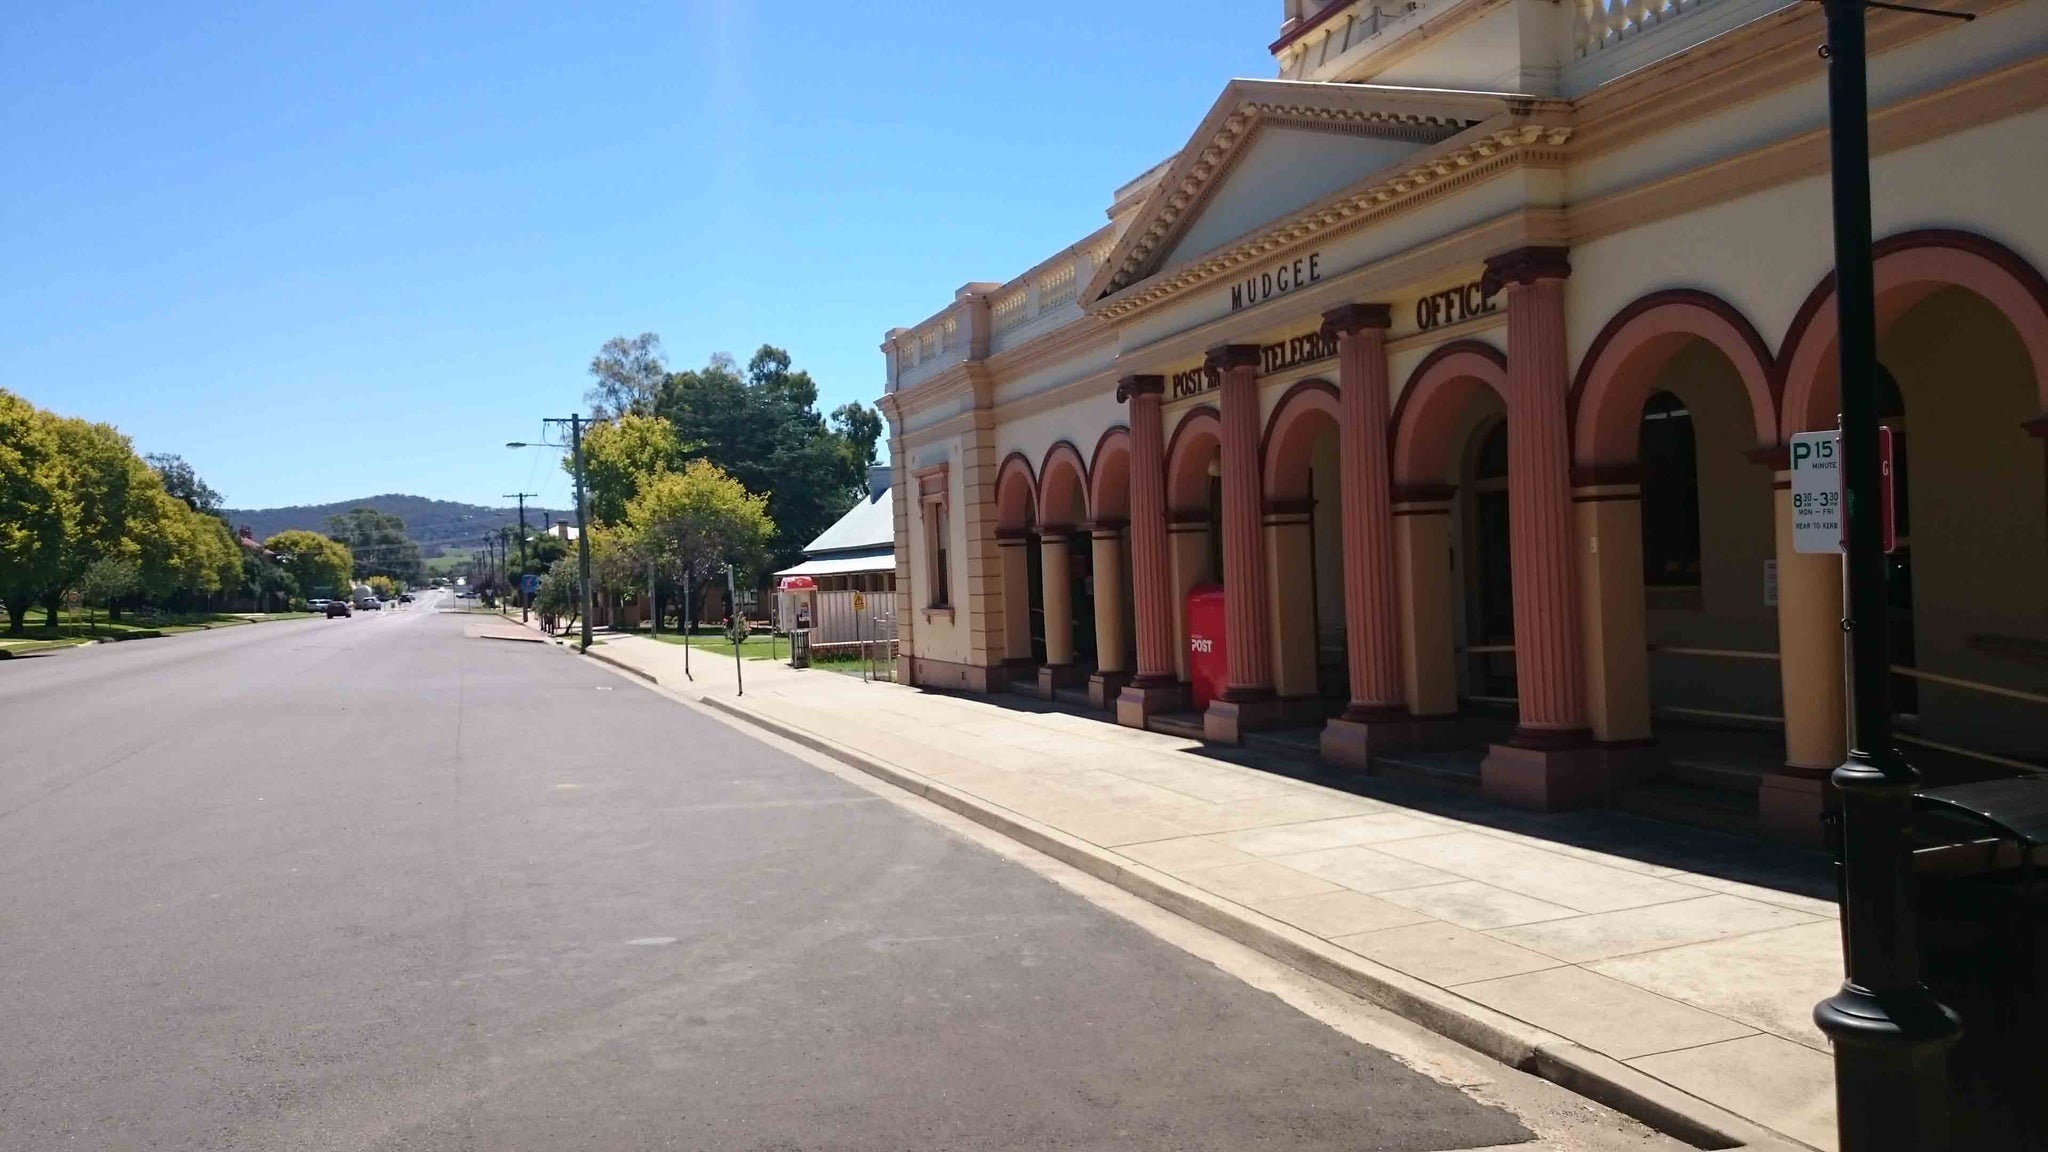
x=1278 y=356
x=1453 y=305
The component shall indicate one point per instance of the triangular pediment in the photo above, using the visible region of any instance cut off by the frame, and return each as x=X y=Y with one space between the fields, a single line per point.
x=1270 y=149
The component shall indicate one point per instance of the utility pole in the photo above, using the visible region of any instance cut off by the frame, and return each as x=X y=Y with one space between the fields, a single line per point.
x=523 y=597
x=1891 y=1036
x=575 y=423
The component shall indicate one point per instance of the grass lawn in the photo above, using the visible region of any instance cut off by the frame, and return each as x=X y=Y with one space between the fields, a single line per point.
x=756 y=647
x=23 y=646
x=74 y=626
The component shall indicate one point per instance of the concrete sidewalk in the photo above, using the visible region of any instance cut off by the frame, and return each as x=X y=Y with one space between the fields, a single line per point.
x=1668 y=972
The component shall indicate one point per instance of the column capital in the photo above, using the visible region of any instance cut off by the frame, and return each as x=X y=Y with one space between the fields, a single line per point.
x=1524 y=266
x=1224 y=357
x=1134 y=386
x=1105 y=529
x=1348 y=318
x=1606 y=475
x=1055 y=532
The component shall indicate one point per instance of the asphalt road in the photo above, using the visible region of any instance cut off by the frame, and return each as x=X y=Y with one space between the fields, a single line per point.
x=367 y=884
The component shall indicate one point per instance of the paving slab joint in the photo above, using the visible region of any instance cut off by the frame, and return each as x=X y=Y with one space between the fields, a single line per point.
x=1493 y=1034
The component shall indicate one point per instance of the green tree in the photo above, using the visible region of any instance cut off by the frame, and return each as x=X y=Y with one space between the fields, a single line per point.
x=106 y=580
x=314 y=565
x=628 y=373
x=620 y=455
x=379 y=544
x=764 y=429
x=384 y=586
x=861 y=427
x=103 y=479
x=35 y=508
x=179 y=479
x=185 y=558
x=688 y=524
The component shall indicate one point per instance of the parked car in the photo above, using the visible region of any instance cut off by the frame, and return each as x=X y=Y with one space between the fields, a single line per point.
x=318 y=604
x=338 y=608
x=405 y=597
x=372 y=604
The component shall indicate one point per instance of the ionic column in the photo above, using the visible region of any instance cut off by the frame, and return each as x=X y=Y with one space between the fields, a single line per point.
x=1548 y=762
x=1790 y=802
x=1106 y=550
x=1157 y=687
x=1056 y=586
x=1015 y=556
x=1375 y=718
x=1248 y=699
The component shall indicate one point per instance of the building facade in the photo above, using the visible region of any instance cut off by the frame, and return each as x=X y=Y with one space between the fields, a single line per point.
x=1463 y=357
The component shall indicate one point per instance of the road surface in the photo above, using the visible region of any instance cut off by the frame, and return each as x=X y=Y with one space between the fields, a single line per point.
x=367 y=883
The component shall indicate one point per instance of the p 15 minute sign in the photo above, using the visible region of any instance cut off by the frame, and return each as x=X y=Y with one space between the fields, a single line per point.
x=1818 y=522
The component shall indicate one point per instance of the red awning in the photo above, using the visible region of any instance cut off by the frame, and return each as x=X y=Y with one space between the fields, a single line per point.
x=797 y=583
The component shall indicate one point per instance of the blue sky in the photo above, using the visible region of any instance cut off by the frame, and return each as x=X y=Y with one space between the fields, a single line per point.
x=324 y=251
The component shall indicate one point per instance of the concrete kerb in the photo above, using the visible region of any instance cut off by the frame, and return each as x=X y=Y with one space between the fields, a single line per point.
x=621 y=665
x=1497 y=1036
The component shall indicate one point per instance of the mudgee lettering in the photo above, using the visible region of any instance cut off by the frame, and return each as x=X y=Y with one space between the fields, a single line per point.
x=1286 y=278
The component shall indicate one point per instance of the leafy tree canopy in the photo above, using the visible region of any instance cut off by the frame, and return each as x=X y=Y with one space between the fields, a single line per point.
x=621 y=454
x=379 y=544
x=628 y=373
x=35 y=508
x=861 y=427
x=763 y=428
x=314 y=565
x=182 y=482
x=688 y=523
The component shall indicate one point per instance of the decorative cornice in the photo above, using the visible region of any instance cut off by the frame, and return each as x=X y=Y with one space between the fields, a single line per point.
x=1347 y=318
x=1144 y=385
x=1456 y=163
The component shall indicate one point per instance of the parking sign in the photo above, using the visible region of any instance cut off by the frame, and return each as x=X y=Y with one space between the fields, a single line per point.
x=1817 y=518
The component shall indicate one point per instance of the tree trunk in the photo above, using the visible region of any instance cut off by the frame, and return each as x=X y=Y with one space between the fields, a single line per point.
x=16 y=613
x=50 y=614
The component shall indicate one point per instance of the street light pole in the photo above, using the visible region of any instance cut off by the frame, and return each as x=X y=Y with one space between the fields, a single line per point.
x=1890 y=1035
x=523 y=597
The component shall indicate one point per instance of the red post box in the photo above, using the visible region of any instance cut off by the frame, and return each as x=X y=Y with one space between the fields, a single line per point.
x=1208 y=659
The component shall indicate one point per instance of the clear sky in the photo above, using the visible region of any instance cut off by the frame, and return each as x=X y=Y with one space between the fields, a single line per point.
x=330 y=250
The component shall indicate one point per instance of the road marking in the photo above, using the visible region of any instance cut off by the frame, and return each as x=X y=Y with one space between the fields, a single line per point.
x=651 y=941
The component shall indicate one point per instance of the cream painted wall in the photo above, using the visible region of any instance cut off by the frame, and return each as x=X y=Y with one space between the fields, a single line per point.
x=1081 y=423
x=937 y=638
x=1763 y=253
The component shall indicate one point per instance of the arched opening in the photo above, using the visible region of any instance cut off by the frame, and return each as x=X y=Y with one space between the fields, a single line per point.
x=1679 y=548
x=1111 y=590
x=1018 y=565
x=1066 y=620
x=1452 y=552
x=1194 y=513
x=1305 y=547
x=1486 y=628
x=1963 y=337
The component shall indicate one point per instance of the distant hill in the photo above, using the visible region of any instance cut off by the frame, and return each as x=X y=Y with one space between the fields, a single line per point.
x=438 y=525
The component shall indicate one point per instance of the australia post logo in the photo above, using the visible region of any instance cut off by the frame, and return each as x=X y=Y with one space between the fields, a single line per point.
x=1201 y=644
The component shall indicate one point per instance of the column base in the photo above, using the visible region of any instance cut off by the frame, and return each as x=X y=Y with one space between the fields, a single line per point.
x=1790 y=803
x=1549 y=779
x=1104 y=687
x=1145 y=697
x=1353 y=742
x=1227 y=720
x=1054 y=677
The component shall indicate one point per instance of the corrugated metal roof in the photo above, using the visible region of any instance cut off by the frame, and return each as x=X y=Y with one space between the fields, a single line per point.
x=869 y=524
x=869 y=560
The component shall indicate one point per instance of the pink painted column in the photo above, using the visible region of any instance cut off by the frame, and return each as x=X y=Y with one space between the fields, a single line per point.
x=1156 y=688
x=1548 y=763
x=1375 y=719
x=1248 y=700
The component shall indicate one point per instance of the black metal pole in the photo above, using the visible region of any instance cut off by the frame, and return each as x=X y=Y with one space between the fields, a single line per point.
x=1890 y=1035
x=582 y=529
